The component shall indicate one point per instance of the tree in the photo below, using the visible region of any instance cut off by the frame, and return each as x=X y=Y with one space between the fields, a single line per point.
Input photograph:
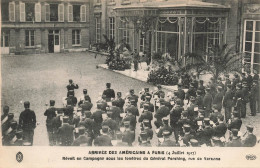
x=219 y=60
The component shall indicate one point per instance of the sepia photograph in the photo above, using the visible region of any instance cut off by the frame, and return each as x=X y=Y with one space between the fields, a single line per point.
x=122 y=75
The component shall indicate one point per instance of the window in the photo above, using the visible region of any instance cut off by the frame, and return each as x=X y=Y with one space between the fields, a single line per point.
x=38 y=12
x=76 y=13
x=12 y=11
x=98 y=29
x=111 y=27
x=54 y=12
x=5 y=11
x=22 y=12
x=83 y=13
x=29 y=11
x=142 y=41
x=75 y=37
x=125 y=32
x=29 y=38
x=61 y=12
x=251 y=43
x=5 y=39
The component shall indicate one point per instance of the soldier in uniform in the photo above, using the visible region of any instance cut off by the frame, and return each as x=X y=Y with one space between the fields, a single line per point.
x=50 y=113
x=89 y=125
x=164 y=127
x=82 y=98
x=220 y=129
x=187 y=135
x=145 y=93
x=97 y=117
x=86 y=105
x=235 y=140
x=120 y=101
x=131 y=118
x=228 y=102
x=71 y=99
x=103 y=103
x=128 y=135
x=104 y=139
x=71 y=86
x=119 y=141
x=132 y=96
x=218 y=98
x=5 y=112
x=143 y=140
x=201 y=87
x=146 y=115
x=250 y=139
x=27 y=121
x=207 y=102
x=133 y=108
x=254 y=98
x=162 y=111
x=115 y=111
x=146 y=127
x=235 y=122
x=147 y=101
x=175 y=116
x=245 y=99
x=65 y=132
x=110 y=93
x=238 y=99
x=82 y=140
x=199 y=99
x=207 y=132
x=167 y=142
x=112 y=124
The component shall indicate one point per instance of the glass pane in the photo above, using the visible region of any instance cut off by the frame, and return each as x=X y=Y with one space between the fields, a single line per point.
x=257 y=27
x=200 y=27
x=6 y=41
x=248 y=46
x=27 y=38
x=257 y=58
x=249 y=36
x=257 y=36
x=249 y=25
x=247 y=57
x=57 y=40
x=2 y=41
x=257 y=47
x=256 y=68
x=57 y=31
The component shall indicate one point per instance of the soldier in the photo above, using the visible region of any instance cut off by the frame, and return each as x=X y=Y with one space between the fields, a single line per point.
x=235 y=122
x=146 y=115
x=146 y=128
x=135 y=59
x=110 y=93
x=191 y=107
x=86 y=105
x=103 y=103
x=201 y=87
x=71 y=86
x=115 y=111
x=162 y=111
x=56 y=124
x=159 y=92
x=120 y=101
x=65 y=132
x=207 y=102
x=164 y=127
x=228 y=102
x=207 y=132
x=238 y=99
x=254 y=98
x=235 y=81
x=175 y=116
x=143 y=140
x=19 y=139
x=133 y=108
x=187 y=135
x=235 y=140
x=190 y=92
x=118 y=140
x=112 y=124
x=50 y=113
x=167 y=142
x=71 y=99
x=128 y=135
x=184 y=120
x=5 y=113
x=219 y=83
x=27 y=121
x=132 y=119
x=6 y=124
x=82 y=98
x=218 y=98
x=147 y=101
x=214 y=116
x=245 y=99
x=132 y=96
x=145 y=93
x=250 y=139
x=82 y=140
x=199 y=99
x=220 y=129
x=97 y=117
x=104 y=139
x=228 y=82
x=9 y=134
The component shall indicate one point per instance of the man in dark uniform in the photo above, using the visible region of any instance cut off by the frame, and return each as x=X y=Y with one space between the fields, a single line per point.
x=207 y=102
x=236 y=122
x=131 y=118
x=104 y=139
x=228 y=102
x=120 y=101
x=250 y=140
x=103 y=103
x=218 y=98
x=146 y=127
x=201 y=87
x=146 y=115
x=65 y=132
x=132 y=96
x=254 y=98
x=159 y=92
x=167 y=142
x=162 y=111
x=207 y=132
x=228 y=82
x=191 y=92
x=115 y=111
x=82 y=98
x=199 y=99
x=135 y=59
x=118 y=140
x=235 y=81
x=238 y=99
x=71 y=99
x=112 y=124
x=27 y=122
x=187 y=135
x=110 y=93
x=145 y=93
x=71 y=86
x=143 y=140
x=97 y=117
x=89 y=124
x=220 y=129
x=133 y=108
x=86 y=104
x=5 y=113
x=245 y=99
x=56 y=124
x=128 y=135
x=50 y=113
x=82 y=140
x=165 y=126
x=147 y=101
x=235 y=140
x=184 y=120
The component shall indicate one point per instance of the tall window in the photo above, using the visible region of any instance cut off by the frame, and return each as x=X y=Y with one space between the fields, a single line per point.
x=251 y=44
x=5 y=11
x=142 y=41
x=76 y=13
x=125 y=32
x=5 y=39
x=98 y=29
x=54 y=12
x=111 y=27
x=75 y=37
x=29 y=11
x=29 y=38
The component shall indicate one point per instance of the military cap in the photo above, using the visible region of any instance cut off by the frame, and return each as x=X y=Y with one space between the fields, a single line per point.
x=186 y=127
x=215 y=139
x=26 y=103
x=105 y=128
x=127 y=123
x=166 y=133
x=70 y=80
x=148 y=97
x=234 y=132
x=146 y=121
x=81 y=130
x=143 y=135
x=119 y=93
x=10 y=115
x=194 y=142
x=131 y=90
x=108 y=84
x=27 y=144
x=250 y=128
x=52 y=102
x=65 y=119
x=146 y=106
x=19 y=134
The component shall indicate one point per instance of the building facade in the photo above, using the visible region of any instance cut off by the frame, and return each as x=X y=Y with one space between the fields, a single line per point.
x=177 y=27
x=42 y=26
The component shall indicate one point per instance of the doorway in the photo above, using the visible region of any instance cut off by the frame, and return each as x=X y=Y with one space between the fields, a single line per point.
x=54 y=41
x=5 y=42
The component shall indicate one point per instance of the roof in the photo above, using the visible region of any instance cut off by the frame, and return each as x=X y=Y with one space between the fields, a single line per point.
x=172 y=4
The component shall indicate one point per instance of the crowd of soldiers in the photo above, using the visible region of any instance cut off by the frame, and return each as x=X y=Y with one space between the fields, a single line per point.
x=198 y=116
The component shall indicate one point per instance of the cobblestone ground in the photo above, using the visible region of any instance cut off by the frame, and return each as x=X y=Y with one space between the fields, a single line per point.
x=39 y=78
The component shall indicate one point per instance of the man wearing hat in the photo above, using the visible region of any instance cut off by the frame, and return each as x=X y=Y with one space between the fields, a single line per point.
x=194 y=143
x=5 y=113
x=227 y=82
x=115 y=111
x=50 y=113
x=27 y=122
x=199 y=99
x=128 y=134
x=89 y=124
x=145 y=93
x=162 y=111
x=85 y=96
x=146 y=115
x=235 y=140
x=65 y=132
x=103 y=103
x=118 y=140
x=167 y=142
x=207 y=132
x=183 y=121
x=82 y=140
x=71 y=99
x=159 y=92
x=254 y=98
x=120 y=101
x=220 y=129
x=187 y=135
x=110 y=93
x=238 y=99
x=207 y=102
x=112 y=124
x=131 y=118
x=104 y=139
x=218 y=98
x=175 y=116
x=97 y=117
x=132 y=96
x=201 y=87
x=56 y=124
x=147 y=101
x=86 y=104
x=144 y=140
x=19 y=139
x=164 y=127
x=245 y=99
x=71 y=86
x=235 y=81
x=250 y=139
x=146 y=127
x=228 y=102
x=236 y=122
x=133 y=108
x=191 y=92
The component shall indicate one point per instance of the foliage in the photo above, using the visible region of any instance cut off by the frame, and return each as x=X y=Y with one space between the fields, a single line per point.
x=163 y=76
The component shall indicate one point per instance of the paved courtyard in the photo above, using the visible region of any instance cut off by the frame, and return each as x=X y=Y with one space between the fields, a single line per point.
x=39 y=78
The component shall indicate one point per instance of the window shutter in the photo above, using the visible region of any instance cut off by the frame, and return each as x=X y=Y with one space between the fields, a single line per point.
x=83 y=13
x=22 y=12
x=47 y=12
x=38 y=12
x=11 y=11
x=87 y=12
x=61 y=12
x=70 y=13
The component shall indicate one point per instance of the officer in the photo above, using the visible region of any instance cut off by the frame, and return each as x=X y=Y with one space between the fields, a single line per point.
x=175 y=116
x=146 y=115
x=238 y=99
x=50 y=113
x=214 y=115
x=235 y=122
x=65 y=132
x=235 y=140
x=199 y=99
x=104 y=139
x=147 y=101
x=82 y=98
x=207 y=132
x=187 y=135
x=131 y=118
x=82 y=140
x=162 y=111
x=132 y=96
x=220 y=129
x=207 y=102
x=110 y=93
x=218 y=98
x=120 y=101
x=167 y=142
x=5 y=113
x=71 y=86
x=143 y=140
x=112 y=124
x=254 y=98
x=86 y=105
x=71 y=99
x=97 y=117
x=165 y=126
x=228 y=102
x=128 y=135
x=133 y=108
x=145 y=93
x=27 y=122
x=250 y=138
